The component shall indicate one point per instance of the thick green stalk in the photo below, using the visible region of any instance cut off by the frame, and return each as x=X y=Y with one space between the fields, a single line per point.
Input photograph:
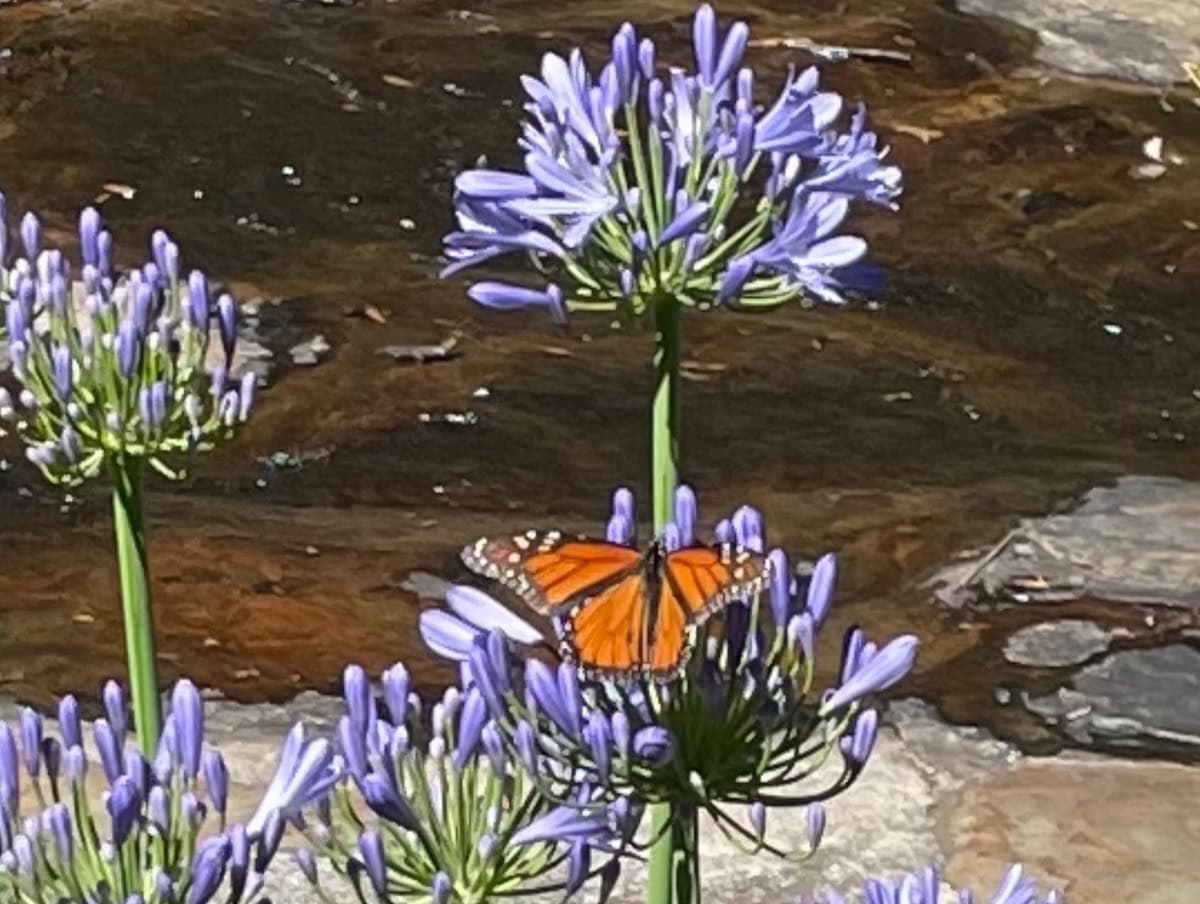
x=664 y=427
x=674 y=859
x=134 y=565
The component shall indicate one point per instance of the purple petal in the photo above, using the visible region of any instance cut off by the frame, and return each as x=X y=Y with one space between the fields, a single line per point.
x=704 y=38
x=780 y=586
x=495 y=184
x=487 y=614
x=447 y=635
x=687 y=222
x=731 y=53
x=564 y=824
x=888 y=667
x=506 y=297
x=820 y=588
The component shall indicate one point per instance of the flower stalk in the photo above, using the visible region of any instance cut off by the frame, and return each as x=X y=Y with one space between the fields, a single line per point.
x=674 y=860
x=133 y=563
x=116 y=373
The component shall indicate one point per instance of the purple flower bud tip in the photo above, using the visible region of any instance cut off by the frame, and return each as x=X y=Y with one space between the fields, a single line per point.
x=505 y=297
x=31 y=741
x=31 y=235
x=89 y=231
x=188 y=711
x=815 y=815
x=307 y=862
x=653 y=744
x=68 y=722
x=246 y=393
x=442 y=888
x=208 y=869
x=885 y=669
x=758 y=819
x=685 y=514
x=704 y=38
x=227 y=318
x=124 y=805
x=370 y=846
x=216 y=777
x=866 y=729
x=820 y=588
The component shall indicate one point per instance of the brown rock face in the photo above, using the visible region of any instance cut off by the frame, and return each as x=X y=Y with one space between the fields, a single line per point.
x=1101 y=830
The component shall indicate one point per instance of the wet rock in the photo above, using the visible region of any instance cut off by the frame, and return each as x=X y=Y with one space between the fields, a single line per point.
x=1141 y=41
x=426 y=586
x=1134 y=699
x=1069 y=641
x=309 y=352
x=1137 y=541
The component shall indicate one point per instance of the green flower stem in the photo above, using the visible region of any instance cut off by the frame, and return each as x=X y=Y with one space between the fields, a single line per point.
x=134 y=564
x=664 y=429
x=674 y=862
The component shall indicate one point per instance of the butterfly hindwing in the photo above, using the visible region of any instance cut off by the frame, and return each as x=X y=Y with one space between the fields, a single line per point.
x=606 y=633
x=549 y=571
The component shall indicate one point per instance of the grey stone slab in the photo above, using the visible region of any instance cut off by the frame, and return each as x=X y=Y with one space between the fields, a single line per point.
x=1136 y=40
x=1134 y=699
x=1137 y=541
x=1068 y=641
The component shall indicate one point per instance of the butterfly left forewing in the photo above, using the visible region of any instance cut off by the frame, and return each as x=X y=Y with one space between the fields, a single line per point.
x=548 y=571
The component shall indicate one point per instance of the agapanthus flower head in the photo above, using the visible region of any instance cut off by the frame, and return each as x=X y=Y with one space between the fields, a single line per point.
x=640 y=184
x=735 y=732
x=144 y=834
x=924 y=887
x=115 y=366
x=455 y=813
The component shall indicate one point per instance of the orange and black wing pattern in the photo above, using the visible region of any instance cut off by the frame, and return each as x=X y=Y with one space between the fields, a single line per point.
x=552 y=573
x=697 y=583
x=639 y=627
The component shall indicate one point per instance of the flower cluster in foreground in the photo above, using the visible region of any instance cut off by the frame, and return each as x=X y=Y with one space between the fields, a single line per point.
x=640 y=185
x=924 y=887
x=154 y=843
x=114 y=366
x=739 y=728
x=458 y=814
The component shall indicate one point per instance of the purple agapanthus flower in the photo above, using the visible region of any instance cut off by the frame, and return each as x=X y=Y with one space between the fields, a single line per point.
x=127 y=366
x=635 y=184
x=738 y=727
x=924 y=887
x=142 y=831
x=447 y=782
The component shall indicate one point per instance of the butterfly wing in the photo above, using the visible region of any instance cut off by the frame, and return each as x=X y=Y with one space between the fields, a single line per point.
x=549 y=572
x=697 y=582
x=608 y=632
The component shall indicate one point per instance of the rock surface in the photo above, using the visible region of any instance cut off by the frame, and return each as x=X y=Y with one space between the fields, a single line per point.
x=1137 y=40
x=1068 y=641
x=1137 y=541
x=1131 y=699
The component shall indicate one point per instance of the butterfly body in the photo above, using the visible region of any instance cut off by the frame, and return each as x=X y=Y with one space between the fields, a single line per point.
x=621 y=612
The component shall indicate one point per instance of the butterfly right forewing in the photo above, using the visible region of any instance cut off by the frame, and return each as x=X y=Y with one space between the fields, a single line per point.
x=550 y=572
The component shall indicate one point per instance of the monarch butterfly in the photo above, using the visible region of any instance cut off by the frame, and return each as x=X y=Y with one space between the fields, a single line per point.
x=622 y=613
